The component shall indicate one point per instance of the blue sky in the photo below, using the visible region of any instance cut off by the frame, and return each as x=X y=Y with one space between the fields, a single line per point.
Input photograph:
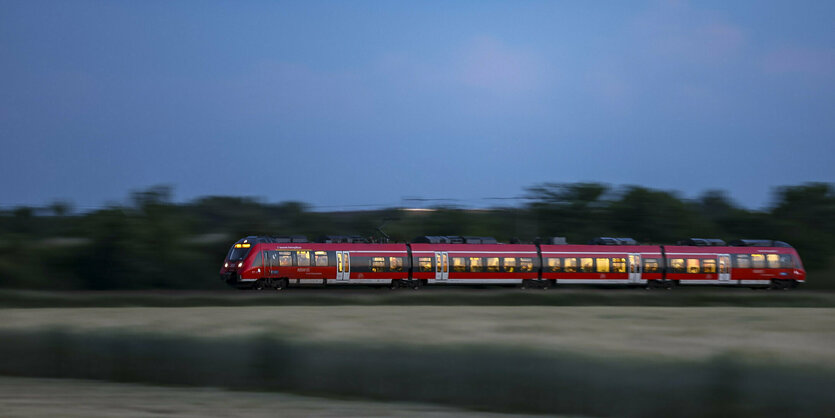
x=350 y=103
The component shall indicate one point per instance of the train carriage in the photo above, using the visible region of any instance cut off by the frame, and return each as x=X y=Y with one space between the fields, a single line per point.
x=475 y=263
x=600 y=264
x=698 y=265
x=280 y=264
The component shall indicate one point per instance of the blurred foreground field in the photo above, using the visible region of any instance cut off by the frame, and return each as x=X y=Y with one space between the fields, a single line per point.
x=707 y=361
x=70 y=398
x=785 y=335
x=427 y=296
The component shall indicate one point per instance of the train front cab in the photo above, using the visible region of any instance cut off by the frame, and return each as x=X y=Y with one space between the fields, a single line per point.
x=237 y=262
x=774 y=267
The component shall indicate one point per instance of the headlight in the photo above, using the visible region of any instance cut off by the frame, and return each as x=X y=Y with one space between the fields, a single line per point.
x=225 y=265
x=241 y=264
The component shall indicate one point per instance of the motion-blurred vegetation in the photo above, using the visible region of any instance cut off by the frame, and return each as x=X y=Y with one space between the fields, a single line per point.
x=155 y=243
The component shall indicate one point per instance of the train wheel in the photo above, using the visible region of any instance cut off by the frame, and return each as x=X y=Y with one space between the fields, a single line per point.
x=394 y=284
x=526 y=284
x=260 y=284
x=416 y=284
x=281 y=284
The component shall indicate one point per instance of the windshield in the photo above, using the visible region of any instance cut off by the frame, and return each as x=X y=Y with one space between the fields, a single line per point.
x=237 y=254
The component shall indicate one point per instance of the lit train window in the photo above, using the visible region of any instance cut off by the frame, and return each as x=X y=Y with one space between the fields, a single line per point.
x=773 y=261
x=651 y=265
x=742 y=261
x=378 y=264
x=476 y=264
x=553 y=264
x=459 y=264
x=587 y=265
x=526 y=264
x=570 y=265
x=320 y=258
x=285 y=258
x=677 y=265
x=693 y=265
x=602 y=265
x=425 y=264
x=708 y=266
x=758 y=261
x=509 y=265
x=493 y=264
x=619 y=265
x=396 y=263
x=786 y=261
x=302 y=258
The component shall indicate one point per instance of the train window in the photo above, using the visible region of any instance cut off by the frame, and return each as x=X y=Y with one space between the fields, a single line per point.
x=493 y=264
x=395 y=264
x=651 y=265
x=320 y=258
x=773 y=261
x=509 y=264
x=693 y=265
x=378 y=264
x=618 y=265
x=257 y=262
x=758 y=261
x=708 y=266
x=285 y=258
x=302 y=258
x=272 y=258
x=459 y=264
x=677 y=265
x=476 y=264
x=742 y=261
x=553 y=264
x=526 y=264
x=425 y=264
x=587 y=265
x=786 y=261
x=602 y=265
x=570 y=265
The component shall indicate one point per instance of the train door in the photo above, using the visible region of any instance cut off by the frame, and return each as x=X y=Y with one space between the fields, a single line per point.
x=724 y=267
x=272 y=264
x=634 y=268
x=441 y=266
x=343 y=266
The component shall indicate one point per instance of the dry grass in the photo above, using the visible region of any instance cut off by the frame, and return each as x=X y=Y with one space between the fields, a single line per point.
x=792 y=335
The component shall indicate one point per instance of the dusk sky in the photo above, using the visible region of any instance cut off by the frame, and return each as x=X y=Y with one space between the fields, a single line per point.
x=370 y=102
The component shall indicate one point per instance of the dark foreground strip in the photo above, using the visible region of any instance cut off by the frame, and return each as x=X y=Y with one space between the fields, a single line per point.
x=489 y=296
x=472 y=377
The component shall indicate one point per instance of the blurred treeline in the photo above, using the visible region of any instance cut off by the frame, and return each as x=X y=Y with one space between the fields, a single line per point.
x=155 y=243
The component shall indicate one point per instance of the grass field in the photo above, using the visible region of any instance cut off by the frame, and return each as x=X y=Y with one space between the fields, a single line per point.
x=436 y=296
x=70 y=398
x=692 y=360
x=792 y=335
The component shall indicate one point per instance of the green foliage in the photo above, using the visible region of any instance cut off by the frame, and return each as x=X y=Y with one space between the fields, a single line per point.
x=155 y=243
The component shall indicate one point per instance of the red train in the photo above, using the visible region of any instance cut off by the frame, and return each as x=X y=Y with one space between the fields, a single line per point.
x=270 y=262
